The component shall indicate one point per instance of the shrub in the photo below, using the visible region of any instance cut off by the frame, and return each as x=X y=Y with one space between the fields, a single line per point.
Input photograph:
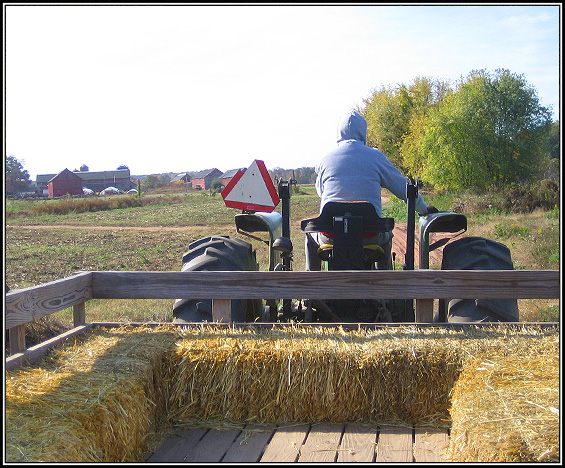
x=546 y=247
x=542 y=194
x=514 y=198
x=90 y=204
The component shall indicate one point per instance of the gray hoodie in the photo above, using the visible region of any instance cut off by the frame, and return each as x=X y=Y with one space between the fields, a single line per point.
x=356 y=172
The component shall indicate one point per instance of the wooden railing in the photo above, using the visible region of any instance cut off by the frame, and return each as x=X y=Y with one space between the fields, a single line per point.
x=26 y=305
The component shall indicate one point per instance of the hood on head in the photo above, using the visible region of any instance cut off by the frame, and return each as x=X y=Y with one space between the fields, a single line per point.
x=352 y=127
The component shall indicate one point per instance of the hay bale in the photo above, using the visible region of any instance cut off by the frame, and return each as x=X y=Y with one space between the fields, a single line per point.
x=102 y=398
x=400 y=375
x=505 y=405
x=93 y=401
x=306 y=374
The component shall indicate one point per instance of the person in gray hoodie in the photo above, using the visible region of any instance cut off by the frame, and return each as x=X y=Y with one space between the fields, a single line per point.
x=354 y=171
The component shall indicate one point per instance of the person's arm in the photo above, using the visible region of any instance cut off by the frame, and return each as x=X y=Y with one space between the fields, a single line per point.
x=394 y=181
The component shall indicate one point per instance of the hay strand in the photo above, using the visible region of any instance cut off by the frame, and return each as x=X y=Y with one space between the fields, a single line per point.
x=93 y=401
x=102 y=398
x=505 y=406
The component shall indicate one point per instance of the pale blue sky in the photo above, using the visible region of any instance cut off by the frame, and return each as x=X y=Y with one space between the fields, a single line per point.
x=172 y=88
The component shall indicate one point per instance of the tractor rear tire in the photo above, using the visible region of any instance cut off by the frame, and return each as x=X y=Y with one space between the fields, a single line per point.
x=478 y=253
x=217 y=253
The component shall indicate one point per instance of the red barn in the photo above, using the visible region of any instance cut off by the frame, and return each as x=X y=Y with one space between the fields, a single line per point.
x=95 y=181
x=203 y=179
x=227 y=176
x=65 y=182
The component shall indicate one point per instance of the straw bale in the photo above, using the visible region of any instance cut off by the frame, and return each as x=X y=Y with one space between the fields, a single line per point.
x=95 y=400
x=400 y=375
x=505 y=405
x=291 y=375
x=102 y=398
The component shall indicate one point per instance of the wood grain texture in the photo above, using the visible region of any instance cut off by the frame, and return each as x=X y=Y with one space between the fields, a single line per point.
x=177 y=447
x=308 y=443
x=424 y=312
x=17 y=336
x=322 y=444
x=79 y=314
x=221 y=310
x=377 y=284
x=26 y=305
x=430 y=445
x=395 y=445
x=285 y=444
x=358 y=444
x=249 y=446
x=212 y=447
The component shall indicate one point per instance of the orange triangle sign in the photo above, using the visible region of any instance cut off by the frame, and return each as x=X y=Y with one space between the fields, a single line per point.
x=251 y=189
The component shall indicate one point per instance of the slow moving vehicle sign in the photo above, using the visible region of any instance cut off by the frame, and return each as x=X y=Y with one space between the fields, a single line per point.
x=251 y=190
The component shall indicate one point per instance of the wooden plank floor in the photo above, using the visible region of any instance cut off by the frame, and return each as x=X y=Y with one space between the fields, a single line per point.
x=316 y=443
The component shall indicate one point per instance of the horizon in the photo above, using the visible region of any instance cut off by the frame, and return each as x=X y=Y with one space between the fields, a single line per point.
x=182 y=85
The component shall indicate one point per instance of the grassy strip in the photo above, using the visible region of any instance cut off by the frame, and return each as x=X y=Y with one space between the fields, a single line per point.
x=34 y=256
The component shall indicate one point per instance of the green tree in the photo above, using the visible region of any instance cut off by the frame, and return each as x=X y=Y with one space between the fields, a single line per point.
x=304 y=175
x=550 y=165
x=392 y=111
x=385 y=123
x=553 y=143
x=414 y=160
x=151 y=181
x=155 y=181
x=216 y=185
x=17 y=178
x=490 y=130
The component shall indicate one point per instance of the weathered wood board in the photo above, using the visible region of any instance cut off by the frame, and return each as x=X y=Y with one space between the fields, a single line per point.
x=308 y=443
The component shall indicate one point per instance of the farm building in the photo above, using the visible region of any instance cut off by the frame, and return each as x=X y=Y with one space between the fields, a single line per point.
x=95 y=181
x=203 y=179
x=180 y=178
x=227 y=176
x=100 y=180
x=65 y=182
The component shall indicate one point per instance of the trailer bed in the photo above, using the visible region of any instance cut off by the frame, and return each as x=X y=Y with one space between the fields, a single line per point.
x=312 y=443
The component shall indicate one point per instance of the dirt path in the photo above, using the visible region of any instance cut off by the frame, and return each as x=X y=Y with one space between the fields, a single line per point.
x=398 y=241
x=103 y=228
x=399 y=246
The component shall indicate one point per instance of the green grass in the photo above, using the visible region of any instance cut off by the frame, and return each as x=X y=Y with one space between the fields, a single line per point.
x=171 y=222
x=195 y=209
x=396 y=209
x=546 y=246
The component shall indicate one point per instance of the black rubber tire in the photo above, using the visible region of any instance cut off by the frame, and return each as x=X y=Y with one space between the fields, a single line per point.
x=478 y=253
x=217 y=253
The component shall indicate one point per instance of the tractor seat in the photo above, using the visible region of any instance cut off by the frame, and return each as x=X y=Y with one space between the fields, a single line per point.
x=372 y=222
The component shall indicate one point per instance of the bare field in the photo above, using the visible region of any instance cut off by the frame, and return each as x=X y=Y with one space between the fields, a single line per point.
x=37 y=255
x=39 y=249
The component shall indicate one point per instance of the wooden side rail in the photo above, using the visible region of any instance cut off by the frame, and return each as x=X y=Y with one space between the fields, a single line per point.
x=377 y=284
x=26 y=305
x=19 y=358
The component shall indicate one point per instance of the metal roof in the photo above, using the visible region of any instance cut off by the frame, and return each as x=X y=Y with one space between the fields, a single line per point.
x=87 y=175
x=230 y=173
x=204 y=173
x=181 y=176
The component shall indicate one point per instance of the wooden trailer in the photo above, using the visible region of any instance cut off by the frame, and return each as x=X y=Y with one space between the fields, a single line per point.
x=300 y=441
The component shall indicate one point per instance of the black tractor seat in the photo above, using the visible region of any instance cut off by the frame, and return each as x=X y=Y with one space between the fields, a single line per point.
x=372 y=223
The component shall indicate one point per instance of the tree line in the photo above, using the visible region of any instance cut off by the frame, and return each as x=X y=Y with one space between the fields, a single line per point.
x=488 y=129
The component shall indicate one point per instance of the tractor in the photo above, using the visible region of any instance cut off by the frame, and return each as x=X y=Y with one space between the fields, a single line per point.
x=346 y=222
